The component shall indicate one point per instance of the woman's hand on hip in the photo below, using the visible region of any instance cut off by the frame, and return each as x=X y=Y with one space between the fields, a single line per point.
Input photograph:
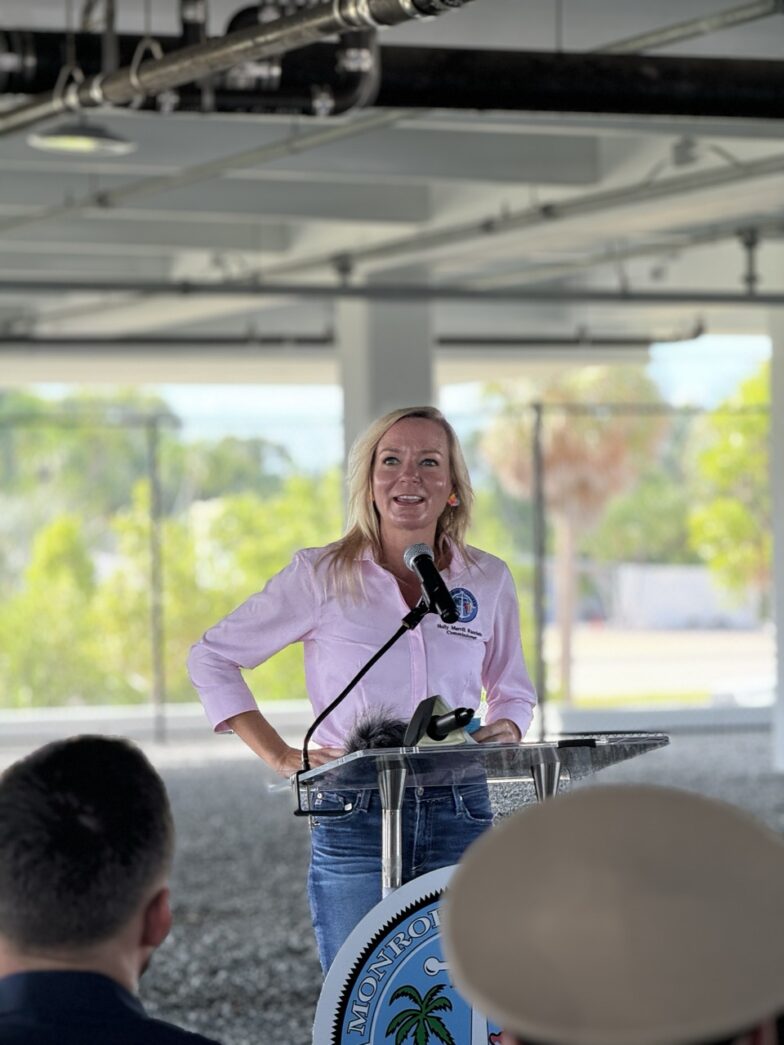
x=291 y=759
x=503 y=731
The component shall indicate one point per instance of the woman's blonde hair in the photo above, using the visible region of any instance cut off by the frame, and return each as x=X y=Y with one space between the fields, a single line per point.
x=362 y=525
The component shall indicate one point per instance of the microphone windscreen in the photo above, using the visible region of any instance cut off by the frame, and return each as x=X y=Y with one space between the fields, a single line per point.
x=376 y=729
x=413 y=552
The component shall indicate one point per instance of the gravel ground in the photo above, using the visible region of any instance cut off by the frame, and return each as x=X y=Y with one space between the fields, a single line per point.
x=241 y=963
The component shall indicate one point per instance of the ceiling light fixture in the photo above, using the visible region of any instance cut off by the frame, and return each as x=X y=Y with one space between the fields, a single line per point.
x=81 y=138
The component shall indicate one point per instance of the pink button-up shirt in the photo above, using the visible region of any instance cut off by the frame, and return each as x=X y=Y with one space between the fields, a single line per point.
x=339 y=635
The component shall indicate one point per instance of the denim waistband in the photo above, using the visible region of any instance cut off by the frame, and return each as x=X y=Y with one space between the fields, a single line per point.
x=369 y=797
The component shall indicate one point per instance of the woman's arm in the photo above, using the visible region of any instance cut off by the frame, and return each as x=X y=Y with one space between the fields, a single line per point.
x=267 y=622
x=263 y=739
x=510 y=693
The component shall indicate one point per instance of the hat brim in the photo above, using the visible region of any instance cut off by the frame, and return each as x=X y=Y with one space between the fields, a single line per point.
x=621 y=916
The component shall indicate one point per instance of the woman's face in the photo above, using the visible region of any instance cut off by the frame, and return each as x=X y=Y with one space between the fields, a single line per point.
x=411 y=477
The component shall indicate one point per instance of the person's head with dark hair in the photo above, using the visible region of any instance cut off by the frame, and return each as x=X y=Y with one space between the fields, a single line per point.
x=622 y=916
x=86 y=841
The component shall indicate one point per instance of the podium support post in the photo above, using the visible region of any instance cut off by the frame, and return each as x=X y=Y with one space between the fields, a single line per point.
x=391 y=786
x=546 y=773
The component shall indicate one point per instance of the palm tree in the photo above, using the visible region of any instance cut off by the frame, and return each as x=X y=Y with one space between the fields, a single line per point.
x=589 y=455
x=419 y=1023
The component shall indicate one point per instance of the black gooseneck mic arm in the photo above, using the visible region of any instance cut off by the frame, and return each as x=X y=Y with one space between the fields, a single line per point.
x=408 y=623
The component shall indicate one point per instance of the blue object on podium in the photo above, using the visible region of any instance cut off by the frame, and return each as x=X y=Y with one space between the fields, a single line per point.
x=390 y=973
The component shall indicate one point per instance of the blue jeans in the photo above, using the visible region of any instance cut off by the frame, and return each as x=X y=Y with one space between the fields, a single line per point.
x=344 y=881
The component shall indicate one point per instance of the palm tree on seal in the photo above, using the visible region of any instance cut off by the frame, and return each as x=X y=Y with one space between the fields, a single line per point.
x=420 y=1023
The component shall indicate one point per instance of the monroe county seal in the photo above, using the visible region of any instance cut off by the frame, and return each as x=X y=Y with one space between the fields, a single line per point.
x=390 y=983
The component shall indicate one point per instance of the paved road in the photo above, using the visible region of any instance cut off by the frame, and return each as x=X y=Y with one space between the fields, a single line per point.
x=720 y=664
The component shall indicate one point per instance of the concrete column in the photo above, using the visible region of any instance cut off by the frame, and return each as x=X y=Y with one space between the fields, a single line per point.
x=777 y=495
x=385 y=352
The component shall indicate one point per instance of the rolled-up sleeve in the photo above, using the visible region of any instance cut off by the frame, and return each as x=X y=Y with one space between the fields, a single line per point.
x=282 y=613
x=510 y=692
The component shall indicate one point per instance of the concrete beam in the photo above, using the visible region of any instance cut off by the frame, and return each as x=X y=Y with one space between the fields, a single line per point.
x=455 y=156
x=126 y=232
x=238 y=196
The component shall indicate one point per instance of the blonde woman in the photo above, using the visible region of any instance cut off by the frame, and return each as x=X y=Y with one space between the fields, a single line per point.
x=408 y=484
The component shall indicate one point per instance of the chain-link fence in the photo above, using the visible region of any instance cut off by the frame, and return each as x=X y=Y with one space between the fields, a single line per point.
x=639 y=537
x=122 y=538
x=646 y=531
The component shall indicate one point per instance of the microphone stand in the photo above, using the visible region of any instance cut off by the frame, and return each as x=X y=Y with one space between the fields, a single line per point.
x=408 y=623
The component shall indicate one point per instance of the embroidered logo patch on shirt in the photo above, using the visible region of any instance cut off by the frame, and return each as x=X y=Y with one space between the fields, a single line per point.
x=465 y=603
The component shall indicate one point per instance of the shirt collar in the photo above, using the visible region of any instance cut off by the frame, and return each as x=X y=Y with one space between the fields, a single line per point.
x=58 y=993
x=455 y=568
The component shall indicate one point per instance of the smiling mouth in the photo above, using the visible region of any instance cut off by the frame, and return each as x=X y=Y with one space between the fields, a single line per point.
x=408 y=499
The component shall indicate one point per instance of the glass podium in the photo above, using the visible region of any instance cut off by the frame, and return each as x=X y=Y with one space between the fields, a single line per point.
x=391 y=770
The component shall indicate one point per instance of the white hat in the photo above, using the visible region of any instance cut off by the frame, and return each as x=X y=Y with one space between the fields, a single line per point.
x=621 y=916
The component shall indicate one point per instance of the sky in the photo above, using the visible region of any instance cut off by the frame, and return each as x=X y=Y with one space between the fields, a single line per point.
x=701 y=372
x=307 y=419
x=706 y=370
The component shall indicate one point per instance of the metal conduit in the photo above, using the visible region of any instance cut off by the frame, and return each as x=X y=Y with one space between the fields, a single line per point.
x=39 y=54
x=257 y=41
x=618 y=254
x=399 y=292
x=451 y=78
x=421 y=243
x=151 y=185
x=252 y=342
x=696 y=27
x=291 y=146
x=660 y=37
x=549 y=212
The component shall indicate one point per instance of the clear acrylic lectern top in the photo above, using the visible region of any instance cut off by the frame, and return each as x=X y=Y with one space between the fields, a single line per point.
x=578 y=755
x=392 y=770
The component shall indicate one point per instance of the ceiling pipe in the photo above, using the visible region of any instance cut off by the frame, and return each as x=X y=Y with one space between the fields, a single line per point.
x=153 y=185
x=399 y=292
x=449 y=78
x=519 y=275
x=322 y=79
x=533 y=81
x=446 y=237
x=187 y=64
x=292 y=145
x=31 y=60
x=211 y=344
x=659 y=37
x=578 y=340
x=694 y=28
x=217 y=342
x=193 y=20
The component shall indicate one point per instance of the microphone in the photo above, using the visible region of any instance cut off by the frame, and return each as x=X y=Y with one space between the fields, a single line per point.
x=441 y=726
x=419 y=559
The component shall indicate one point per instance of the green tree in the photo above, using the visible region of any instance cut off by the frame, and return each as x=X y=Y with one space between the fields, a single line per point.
x=419 y=1023
x=214 y=556
x=25 y=502
x=492 y=532
x=731 y=529
x=99 y=457
x=18 y=408
x=649 y=523
x=251 y=538
x=49 y=653
x=234 y=466
x=123 y=600
x=75 y=545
